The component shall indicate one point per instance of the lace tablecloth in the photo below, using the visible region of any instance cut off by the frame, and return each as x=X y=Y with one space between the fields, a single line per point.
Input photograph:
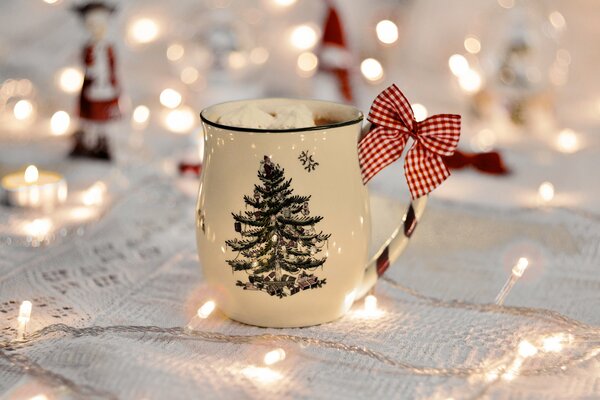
x=137 y=266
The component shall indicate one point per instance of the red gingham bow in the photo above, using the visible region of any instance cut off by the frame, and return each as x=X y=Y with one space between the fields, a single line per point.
x=393 y=122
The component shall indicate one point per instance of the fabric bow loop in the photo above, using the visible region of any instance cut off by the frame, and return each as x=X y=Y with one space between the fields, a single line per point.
x=393 y=122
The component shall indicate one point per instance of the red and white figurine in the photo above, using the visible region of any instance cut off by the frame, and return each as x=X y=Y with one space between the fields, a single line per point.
x=99 y=99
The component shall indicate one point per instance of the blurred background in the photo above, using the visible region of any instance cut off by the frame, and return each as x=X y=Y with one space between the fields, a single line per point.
x=522 y=73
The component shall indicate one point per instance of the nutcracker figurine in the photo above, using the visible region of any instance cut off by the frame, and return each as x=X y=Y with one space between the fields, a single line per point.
x=99 y=99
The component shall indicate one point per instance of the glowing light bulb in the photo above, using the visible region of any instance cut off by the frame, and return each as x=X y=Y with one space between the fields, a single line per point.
x=526 y=349
x=472 y=44
x=370 y=304
x=419 y=111
x=180 y=120
x=303 y=37
x=307 y=63
x=470 y=81
x=141 y=114
x=259 y=55
x=274 y=356
x=31 y=174
x=25 y=311
x=23 y=318
x=546 y=192
x=387 y=31
x=189 y=75
x=143 y=30
x=175 y=52
x=170 y=98
x=371 y=69
x=567 y=141
x=50 y=1
x=206 y=309
x=458 y=64
x=520 y=267
x=59 y=123
x=23 y=110
x=70 y=80
x=553 y=344
x=94 y=195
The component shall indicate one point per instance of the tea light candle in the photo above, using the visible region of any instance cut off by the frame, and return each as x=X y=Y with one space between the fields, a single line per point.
x=34 y=188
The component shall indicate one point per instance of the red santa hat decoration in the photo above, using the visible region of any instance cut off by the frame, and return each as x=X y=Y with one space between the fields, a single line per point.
x=335 y=58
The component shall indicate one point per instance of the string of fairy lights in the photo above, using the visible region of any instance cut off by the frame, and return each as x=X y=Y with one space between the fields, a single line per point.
x=566 y=344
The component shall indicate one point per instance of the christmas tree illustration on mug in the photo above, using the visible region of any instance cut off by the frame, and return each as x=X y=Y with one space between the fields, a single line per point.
x=279 y=246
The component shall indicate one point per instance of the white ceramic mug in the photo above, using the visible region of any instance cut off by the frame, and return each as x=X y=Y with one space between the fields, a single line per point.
x=283 y=222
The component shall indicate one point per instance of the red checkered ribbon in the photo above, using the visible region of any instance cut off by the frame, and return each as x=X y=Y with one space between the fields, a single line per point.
x=393 y=122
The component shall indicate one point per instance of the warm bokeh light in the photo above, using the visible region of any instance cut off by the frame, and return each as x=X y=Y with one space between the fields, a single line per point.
x=284 y=3
x=484 y=140
x=307 y=63
x=141 y=114
x=419 y=111
x=94 y=195
x=458 y=64
x=387 y=31
x=259 y=55
x=39 y=396
x=274 y=356
x=371 y=69
x=38 y=228
x=51 y=1
x=175 y=52
x=23 y=110
x=470 y=81
x=557 y=20
x=31 y=174
x=303 y=37
x=506 y=3
x=70 y=79
x=546 y=192
x=237 y=60
x=189 y=75
x=472 y=44
x=143 y=30
x=206 y=309
x=170 y=98
x=180 y=120
x=567 y=141
x=60 y=122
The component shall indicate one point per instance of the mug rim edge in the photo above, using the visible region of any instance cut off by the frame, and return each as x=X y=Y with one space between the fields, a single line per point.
x=353 y=121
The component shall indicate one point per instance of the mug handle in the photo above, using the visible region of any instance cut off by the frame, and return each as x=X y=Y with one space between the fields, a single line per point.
x=395 y=245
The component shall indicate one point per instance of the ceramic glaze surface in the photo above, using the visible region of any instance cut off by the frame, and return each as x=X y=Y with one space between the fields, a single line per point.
x=321 y=163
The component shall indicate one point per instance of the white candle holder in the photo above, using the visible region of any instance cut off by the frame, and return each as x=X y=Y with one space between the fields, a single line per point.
x=34 y=188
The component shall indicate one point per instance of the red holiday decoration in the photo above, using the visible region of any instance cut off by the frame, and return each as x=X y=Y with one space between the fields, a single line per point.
x=334 y=55
x=393 y=122
x=489 y=162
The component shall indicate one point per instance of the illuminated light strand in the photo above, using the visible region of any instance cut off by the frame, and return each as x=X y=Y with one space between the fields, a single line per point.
x=274 y=356
x=525 y=349
x=516 y=273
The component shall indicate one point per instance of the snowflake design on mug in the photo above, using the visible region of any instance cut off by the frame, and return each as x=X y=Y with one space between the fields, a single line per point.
x=307 y=161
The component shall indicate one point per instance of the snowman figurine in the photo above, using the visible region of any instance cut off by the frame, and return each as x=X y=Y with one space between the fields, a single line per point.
x=99 y=98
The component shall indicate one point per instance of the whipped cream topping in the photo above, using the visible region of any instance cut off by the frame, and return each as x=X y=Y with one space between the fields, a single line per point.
x=285 y=117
